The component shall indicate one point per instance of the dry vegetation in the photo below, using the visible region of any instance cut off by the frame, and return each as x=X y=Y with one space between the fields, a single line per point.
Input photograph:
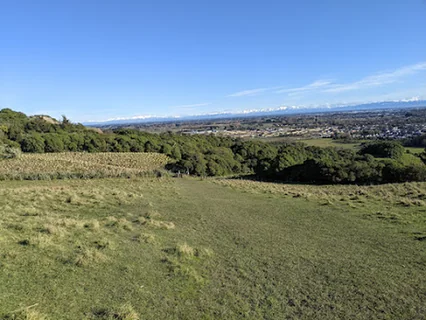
x=80 y=165
x=43 y=216
x=72 y=224
x=398 y=203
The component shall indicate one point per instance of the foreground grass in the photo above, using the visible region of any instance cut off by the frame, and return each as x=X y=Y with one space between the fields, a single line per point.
x=80 y=165
x=231 y=249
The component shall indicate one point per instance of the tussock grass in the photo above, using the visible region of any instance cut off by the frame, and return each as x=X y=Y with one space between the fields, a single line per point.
x=88 y=256
x=24 y=314
x=103 y=244
x=92 y=225
x=182 y=259
x=184 y=250
x=181 y=269
x=151 y=218
x=145 y=238
x=151 y=214
x=140 y=220
x=120 y=223
x=166 y=225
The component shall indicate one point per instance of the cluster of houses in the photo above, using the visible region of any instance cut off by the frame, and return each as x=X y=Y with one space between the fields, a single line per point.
x=356 y=132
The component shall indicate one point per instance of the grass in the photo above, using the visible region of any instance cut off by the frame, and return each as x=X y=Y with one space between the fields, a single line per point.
x=411 y=159
x=327 y=142
x=80 y=165
x=101 y=249
x=315 y=142
x=415 y=150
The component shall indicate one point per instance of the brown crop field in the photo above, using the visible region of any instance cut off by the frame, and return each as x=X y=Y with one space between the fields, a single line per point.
x=80 y=165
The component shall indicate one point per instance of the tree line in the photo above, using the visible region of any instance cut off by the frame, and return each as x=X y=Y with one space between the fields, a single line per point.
x=209 y=155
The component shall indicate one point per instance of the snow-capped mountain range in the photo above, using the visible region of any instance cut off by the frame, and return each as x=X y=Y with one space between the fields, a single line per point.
x=283 y=110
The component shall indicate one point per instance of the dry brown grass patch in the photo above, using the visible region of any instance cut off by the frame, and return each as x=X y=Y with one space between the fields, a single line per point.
x=25 y=314
x=166 y=225
x=92 y=225
x=185 y=250
x=88 y=256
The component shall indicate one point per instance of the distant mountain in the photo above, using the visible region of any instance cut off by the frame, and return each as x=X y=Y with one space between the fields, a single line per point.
x=284 y=110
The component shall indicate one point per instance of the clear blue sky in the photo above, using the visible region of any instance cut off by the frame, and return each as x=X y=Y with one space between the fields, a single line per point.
x=96 y=60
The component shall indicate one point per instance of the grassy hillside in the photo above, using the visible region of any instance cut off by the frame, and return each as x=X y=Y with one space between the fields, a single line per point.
x=230 y=249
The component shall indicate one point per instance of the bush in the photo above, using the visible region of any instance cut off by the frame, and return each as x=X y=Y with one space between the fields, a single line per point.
x=33 y=143
x=383 y=149
x=53 y=143
x=8 y=152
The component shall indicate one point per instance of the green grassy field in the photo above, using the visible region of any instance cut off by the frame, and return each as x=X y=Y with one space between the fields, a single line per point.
x=415 y=150
x=167 y=248
x=318 y=142
x=411 y=159
x=323 y=143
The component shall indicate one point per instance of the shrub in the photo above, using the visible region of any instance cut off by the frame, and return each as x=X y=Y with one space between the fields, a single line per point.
x=383 y=149
x=33 y=143
x=8 y=152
